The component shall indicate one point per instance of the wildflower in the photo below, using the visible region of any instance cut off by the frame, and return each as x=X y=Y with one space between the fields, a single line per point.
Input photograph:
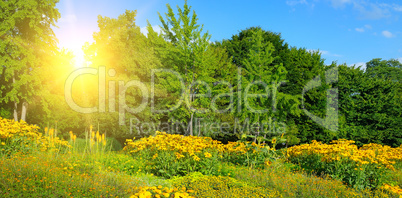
x=207 y=155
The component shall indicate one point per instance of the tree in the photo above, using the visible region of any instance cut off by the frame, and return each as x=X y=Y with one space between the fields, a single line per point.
x=305 y=66
x=26 y=39
x=49 y=106
x=126 y=53
x=300 y=65
x=387 y=69
x=190 y=54
x=370 y=102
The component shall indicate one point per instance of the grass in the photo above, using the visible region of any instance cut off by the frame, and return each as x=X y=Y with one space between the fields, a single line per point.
x=112 y=174
x=116 y=174
x=83 y=171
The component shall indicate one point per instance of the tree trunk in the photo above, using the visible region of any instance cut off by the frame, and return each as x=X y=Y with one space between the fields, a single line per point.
x=24 y=111
x=191 y=124
x=15 y=107
x=199 y=127
x=15 y=112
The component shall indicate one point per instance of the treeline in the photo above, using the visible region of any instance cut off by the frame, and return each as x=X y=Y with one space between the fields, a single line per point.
x=253 y=86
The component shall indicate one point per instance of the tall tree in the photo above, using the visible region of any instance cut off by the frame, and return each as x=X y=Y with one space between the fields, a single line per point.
x=26 y=39
x=300 y=65
x=370 y=102
x=386 y=69
x=192 y=56
x=127 y=56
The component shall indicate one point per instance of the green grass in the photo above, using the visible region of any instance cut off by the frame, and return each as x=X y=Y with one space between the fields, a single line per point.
x=105 y=173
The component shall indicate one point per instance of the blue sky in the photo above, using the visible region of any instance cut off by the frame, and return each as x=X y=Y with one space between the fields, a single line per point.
x=346 y=31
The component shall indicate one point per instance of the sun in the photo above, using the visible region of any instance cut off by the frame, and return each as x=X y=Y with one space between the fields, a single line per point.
x=79 y=60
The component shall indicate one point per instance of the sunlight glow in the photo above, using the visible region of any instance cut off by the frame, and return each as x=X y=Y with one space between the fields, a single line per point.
x=79 y=60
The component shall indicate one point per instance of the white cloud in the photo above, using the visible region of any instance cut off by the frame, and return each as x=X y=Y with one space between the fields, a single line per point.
x=371 y=10
x=339 y=3
x=387 y=34
x=361 y=64
x=397 y=8
x=296 y=2
x=365 y=8
x=359 y=29
x=323 y=52
x=363 y=29
x=156 y=28
x=400 y=59
x=70 y=18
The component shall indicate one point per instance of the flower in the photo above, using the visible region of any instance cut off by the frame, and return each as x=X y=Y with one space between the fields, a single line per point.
x=207 y=155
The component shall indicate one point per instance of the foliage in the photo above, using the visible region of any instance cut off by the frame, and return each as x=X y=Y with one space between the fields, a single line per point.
x=371 y=106
x=26 y=40
x=127 y=57
x=201 y=71
x=385 y=69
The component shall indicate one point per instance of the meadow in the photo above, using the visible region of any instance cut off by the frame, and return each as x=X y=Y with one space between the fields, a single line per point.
x=35 y=162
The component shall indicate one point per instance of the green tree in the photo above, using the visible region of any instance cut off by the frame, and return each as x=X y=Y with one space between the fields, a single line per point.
x=49 y=105
x=201 y=66
x=300 y=65
x=127 y=56
x=370 y=102
x=387 y=69
x=26 y=39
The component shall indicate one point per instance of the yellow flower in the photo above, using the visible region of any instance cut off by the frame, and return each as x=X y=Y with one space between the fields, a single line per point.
x=196 y=158
x=207 y=155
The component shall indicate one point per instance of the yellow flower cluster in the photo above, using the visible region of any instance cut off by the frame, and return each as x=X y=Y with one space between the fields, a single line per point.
x=73 y=137
x=10 y=129
x=173 y=142
x=158 y=192
x=393 y=189
x=96 y=138
x=221 y=186
x=340 y=149
x=181 y=145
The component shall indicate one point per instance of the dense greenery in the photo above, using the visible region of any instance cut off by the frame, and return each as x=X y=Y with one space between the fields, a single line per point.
x=250 y=86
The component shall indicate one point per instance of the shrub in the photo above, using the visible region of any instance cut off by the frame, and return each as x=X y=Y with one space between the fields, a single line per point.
x=21 y=137
x=170 y=155
x=360 y=168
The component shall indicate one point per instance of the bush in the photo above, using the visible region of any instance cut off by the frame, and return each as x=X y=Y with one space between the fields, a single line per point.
x=21 y=137
x=170 y=155
x=360 y=168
